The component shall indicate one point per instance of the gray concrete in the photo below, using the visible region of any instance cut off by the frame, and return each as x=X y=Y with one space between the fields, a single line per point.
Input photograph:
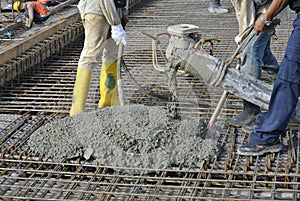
x=133 y=136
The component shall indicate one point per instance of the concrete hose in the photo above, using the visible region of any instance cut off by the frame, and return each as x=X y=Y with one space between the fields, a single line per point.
x=146 y=91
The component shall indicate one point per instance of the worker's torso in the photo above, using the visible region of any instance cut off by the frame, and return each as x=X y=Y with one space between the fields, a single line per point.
x=107 y=8
x=39 y=8
x=90 y=7
x=94 y=7
x=44 y=1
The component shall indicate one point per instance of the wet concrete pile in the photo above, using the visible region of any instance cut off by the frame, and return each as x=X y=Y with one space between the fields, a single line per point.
x=133 y=136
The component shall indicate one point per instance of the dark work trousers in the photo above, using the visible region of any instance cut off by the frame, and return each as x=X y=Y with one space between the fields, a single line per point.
x=214 y=3
x=52 y=3
x=285 y=93
x=37 y=17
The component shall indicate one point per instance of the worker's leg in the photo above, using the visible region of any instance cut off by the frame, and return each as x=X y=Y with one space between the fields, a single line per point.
x=251 y=63
x=269 y=60
x=283 y=102
x=36 y=17
x=282 y=105
x=265 y=138
x=270 y=63
x=214 y=3
x=108 y=77
x=254 y=54
x=285 y=93
x=246 y=116
x=81 y=89
x=245 y=15
x=215 y=7
x=96 y=29
x=259 y=119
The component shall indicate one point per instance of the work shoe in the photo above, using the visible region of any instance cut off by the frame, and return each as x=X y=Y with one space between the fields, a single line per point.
x=249 y=127
x=270 y=69
x=218 y=10
x=259 y=149
x=108 y=85
x=246 y=116
x=240 y=119
x=272 y=72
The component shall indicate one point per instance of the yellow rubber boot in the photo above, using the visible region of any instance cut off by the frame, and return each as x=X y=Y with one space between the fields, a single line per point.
x=108 y=85
x=81 y=89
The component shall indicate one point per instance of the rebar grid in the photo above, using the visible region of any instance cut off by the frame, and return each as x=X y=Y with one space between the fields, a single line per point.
x=23 y=178
x=44 y=92
x=35 y=56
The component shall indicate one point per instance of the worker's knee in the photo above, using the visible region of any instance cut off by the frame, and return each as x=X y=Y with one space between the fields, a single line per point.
x=110 y=52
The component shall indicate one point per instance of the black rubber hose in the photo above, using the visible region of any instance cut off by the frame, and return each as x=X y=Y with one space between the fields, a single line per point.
x=143 y=89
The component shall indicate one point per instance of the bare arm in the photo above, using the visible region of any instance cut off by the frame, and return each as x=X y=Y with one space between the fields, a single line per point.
x=275 y=8
x=30 y=10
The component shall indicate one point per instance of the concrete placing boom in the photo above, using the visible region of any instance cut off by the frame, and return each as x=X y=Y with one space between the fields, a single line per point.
x=183 y=53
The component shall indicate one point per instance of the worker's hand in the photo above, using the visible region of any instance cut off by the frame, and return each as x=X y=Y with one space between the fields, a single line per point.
x=239 y=56
x=259 y=26
x=28 y=25
x=119 y=35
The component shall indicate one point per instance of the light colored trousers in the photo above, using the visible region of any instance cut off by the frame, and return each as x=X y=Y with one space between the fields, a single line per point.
x=96 y=43
x=246 y=12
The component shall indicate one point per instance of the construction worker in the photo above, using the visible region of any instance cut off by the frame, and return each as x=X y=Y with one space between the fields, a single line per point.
x=49 y=2
x=286 y=89
x=103 y=33
x=215 y=7
x=34 y=12
x=255 y=56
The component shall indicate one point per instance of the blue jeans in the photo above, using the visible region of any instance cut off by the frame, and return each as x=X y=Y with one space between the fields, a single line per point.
x=37 y=17
x=285 y=93
x=258 y=53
